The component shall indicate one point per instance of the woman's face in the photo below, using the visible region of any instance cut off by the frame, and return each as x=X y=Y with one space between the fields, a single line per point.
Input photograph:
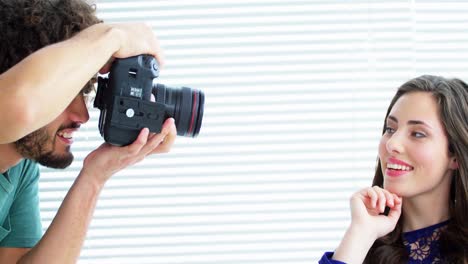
x=413 y=150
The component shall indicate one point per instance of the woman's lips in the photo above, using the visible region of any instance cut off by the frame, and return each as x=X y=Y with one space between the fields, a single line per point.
x=397 y=168
x=395 y=173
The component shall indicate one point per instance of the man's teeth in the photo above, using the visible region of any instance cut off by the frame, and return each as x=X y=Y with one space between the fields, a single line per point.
x=398 y=167
x=65 y=135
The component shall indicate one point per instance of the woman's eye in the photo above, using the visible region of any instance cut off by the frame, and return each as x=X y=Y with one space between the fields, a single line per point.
x=418 y=134
x=389 y=130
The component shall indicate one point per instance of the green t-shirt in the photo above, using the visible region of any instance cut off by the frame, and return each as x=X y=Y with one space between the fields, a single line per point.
x=20 y=222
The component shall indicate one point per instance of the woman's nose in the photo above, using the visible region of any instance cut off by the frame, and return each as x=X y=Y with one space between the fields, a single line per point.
x=395 y=143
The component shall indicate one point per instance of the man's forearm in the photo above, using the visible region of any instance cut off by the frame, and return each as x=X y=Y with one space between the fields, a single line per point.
x=65 y=236
x=37 y=89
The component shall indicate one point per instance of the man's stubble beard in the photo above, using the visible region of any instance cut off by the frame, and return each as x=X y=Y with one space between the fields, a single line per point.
x=39 y=146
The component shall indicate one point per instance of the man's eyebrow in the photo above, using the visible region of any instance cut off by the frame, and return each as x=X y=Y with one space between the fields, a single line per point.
x=410 y=122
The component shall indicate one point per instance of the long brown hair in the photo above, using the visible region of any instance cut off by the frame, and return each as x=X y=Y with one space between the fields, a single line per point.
x=452 y=98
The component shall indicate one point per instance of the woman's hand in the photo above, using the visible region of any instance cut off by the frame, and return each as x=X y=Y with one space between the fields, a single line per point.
x=368 y=223
x=368 y=206
x=107 y=159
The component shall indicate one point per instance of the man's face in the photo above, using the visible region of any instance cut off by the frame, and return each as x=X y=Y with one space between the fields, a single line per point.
x=50 y=145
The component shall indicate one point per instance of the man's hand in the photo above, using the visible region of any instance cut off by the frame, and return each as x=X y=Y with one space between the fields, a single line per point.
x=65 y=236
x=134 y=39
x=57 y=73
x=107 y=159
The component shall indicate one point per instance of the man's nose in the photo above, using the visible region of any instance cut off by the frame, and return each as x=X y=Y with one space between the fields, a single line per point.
x=78 y=112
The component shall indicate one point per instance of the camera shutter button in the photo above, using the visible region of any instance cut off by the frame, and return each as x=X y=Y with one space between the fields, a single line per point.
x=130 y=113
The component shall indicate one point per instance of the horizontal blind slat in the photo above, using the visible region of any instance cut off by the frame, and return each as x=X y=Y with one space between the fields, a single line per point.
x=295 y=92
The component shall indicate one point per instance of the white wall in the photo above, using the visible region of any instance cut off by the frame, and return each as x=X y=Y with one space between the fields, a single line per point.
x=296 y=92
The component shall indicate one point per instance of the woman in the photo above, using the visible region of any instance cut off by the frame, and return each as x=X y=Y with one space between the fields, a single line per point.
x=417 y=210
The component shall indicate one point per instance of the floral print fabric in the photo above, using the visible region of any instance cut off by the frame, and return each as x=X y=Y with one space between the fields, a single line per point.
x=423 y=244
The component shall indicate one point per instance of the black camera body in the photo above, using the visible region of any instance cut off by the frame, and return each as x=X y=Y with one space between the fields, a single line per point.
x=125 y=101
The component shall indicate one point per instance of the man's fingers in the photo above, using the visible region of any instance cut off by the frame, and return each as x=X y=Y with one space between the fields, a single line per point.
x=159 y=55
x=169 y=137
x=154 y=141
x=106 y=68
x=138 y=144
x=162 y=142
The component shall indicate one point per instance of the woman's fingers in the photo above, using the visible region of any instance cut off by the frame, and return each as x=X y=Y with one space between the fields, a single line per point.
x=372 y=196
x=389 y=201
x=397 y=199
x=382 y=199
x=389 y=197
x=377 y=199
x=395 y=211
x=367 y=206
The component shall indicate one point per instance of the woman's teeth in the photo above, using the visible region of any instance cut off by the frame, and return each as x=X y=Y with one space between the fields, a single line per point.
x=398 y=167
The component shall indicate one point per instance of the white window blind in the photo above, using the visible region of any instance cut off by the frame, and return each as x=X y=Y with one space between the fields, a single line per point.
x=296 y=92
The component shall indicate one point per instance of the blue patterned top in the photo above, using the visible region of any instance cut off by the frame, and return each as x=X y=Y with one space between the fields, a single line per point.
x=422 y=246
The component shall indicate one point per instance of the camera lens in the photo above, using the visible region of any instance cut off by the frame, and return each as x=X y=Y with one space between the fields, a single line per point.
x=185 y=105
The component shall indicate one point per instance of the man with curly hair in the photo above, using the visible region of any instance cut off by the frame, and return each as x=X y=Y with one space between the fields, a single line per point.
x=49 y=52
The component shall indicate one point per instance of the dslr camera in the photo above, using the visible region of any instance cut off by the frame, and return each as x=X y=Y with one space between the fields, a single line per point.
x=126 y=104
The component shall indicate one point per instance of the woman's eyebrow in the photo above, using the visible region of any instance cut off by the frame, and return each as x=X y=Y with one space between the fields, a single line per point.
x=410 y=122
x=394 y=119
x=419 y=122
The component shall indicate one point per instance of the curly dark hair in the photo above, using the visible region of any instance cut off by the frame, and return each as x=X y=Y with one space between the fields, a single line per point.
x=28 y=25
x=452 y=97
